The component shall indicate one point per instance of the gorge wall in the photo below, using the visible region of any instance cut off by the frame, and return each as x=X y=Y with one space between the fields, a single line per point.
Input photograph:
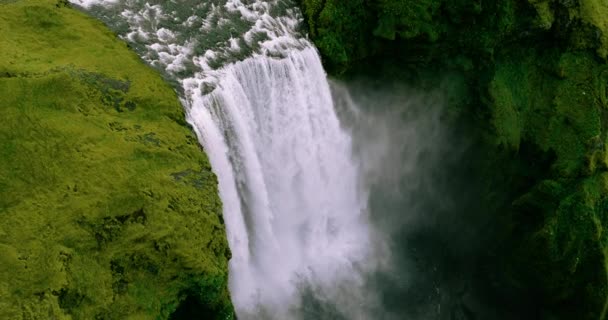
x=529 y=87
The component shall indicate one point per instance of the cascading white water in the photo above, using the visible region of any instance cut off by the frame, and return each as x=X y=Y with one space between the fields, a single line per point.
x=292 y=207
x=260 y=103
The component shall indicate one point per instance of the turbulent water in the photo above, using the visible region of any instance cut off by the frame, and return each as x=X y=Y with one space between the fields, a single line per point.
x=258 y=98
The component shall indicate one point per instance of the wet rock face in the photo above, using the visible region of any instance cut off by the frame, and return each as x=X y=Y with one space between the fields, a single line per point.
x=109 y=207
x=535 y=105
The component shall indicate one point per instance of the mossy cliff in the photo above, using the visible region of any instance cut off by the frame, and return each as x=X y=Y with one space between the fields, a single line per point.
x=108 y=206
x=535 y=98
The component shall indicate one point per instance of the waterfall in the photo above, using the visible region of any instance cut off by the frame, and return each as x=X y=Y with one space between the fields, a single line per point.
x=290 y=189
x=260 y=104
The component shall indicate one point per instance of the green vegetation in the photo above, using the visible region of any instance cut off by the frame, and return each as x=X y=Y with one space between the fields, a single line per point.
x=536 y=98
x=448 y=29
x=109 y=207
x=552 y=101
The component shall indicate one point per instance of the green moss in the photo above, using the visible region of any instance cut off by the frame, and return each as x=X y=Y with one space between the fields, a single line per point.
x=551 y=101
x=95 y=224
x=546 y=16
x=595 y=12
x=359 y=29
x=563 y=262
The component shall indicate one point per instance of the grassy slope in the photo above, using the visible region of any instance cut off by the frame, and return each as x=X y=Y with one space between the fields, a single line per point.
x=539 y=79
x=109 y=208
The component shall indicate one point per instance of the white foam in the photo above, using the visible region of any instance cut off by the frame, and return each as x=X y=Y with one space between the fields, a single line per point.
x=144 y=21
x=90 y=3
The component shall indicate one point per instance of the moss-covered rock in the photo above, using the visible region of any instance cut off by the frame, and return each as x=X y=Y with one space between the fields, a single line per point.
x=556 y=248
x=537 y=82
x=108 y=205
